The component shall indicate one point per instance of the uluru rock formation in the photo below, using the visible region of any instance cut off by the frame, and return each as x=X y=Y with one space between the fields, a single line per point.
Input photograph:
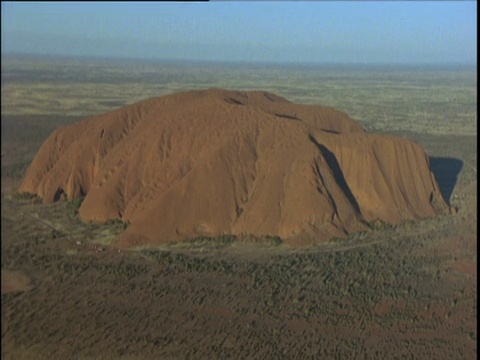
x=216 y=162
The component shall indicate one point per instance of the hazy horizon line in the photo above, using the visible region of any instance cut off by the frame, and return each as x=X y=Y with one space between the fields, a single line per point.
x=238 y=62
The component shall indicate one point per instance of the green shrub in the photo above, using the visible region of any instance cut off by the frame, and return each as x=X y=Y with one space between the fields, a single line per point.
x=273 y=240
x=217 y=240
x=380 y=225
x=24 y=196
x=117 y=224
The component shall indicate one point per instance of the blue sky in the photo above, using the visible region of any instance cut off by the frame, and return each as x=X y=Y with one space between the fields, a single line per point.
x=290 y=31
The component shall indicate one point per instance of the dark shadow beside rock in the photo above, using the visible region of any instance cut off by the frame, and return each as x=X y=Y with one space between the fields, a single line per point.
x=446 y=172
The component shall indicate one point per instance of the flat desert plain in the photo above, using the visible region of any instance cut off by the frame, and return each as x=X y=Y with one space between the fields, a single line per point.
x=405 y=291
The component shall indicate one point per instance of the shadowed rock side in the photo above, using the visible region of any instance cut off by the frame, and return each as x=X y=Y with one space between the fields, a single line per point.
x=215 y=162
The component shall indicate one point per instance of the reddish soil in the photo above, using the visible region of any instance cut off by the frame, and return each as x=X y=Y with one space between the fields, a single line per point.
x=14 y=281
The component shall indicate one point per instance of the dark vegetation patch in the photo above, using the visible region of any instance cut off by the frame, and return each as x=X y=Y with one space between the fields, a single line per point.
x=113 y=103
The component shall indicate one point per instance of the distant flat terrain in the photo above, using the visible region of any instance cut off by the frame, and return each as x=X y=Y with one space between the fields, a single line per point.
x=435 y=99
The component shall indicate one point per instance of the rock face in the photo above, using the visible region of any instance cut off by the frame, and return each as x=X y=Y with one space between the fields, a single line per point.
x=215 y=162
